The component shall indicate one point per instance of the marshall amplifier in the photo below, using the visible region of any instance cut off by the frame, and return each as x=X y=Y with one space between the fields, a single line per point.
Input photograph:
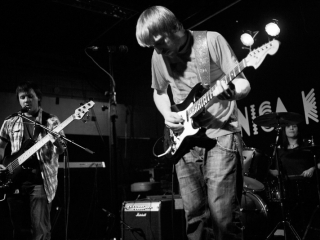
x=150 y=220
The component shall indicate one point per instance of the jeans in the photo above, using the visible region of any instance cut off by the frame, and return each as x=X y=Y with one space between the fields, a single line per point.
x=30 y=213
x=211 y=189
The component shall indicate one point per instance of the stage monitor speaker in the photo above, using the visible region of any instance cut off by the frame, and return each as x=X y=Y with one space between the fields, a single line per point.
x=151 y=220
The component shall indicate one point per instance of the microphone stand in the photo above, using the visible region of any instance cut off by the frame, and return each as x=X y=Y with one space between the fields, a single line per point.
x=317 y=209
x=112 y=111
x=57 y=135
x=285 y=220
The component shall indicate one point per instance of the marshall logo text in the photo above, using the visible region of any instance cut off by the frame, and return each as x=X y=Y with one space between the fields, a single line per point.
x=141 y=215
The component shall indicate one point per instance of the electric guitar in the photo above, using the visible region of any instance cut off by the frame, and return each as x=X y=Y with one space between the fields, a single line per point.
x=192 y=107
x=11 y=177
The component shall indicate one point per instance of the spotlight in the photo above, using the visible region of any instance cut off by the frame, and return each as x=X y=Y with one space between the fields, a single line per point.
x=272 y=28
x=247 y=38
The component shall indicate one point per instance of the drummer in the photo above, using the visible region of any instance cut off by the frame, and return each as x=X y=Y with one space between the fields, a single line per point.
x=295 y=160
x=298 y=169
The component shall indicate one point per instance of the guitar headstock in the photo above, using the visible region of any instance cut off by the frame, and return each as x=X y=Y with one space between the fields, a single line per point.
x=81 y=111
x=256 y=57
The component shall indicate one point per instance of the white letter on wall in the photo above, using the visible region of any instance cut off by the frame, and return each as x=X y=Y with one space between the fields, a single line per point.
x=309 y=105
x=244 y=121
x=263 y=109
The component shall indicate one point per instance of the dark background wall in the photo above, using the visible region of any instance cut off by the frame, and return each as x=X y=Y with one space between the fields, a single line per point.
x=45 y=41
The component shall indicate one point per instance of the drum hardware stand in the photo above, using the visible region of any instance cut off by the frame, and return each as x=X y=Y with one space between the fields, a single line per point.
x=317 y=209
x=285 y=220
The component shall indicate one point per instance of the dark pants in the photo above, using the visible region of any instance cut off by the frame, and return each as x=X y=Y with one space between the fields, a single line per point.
x=30 y=214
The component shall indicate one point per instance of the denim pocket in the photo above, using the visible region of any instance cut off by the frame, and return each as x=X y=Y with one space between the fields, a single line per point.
x=227 y=143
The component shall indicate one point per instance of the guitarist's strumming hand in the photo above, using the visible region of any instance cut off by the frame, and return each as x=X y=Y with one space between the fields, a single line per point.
x=174 y=121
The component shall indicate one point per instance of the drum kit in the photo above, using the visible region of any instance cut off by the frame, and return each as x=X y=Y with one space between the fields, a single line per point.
x=259 y=191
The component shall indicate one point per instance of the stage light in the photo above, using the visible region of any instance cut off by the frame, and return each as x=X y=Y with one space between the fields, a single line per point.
x=247 y=38
x=272 y=28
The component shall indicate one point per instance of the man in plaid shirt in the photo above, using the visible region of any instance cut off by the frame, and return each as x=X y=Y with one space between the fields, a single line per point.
x=30 y=203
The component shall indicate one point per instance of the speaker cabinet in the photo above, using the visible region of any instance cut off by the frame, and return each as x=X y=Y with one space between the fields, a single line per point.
x=151 y=220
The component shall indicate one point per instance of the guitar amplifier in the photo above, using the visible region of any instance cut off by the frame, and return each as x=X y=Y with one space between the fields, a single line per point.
x=151 y=220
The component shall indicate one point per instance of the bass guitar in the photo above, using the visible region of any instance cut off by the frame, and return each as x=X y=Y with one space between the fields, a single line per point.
x=197 y=100
x=10 y=177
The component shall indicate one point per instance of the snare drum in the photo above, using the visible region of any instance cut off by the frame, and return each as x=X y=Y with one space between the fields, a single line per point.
x=255 y=164
x=295 y=190
x=254 y=216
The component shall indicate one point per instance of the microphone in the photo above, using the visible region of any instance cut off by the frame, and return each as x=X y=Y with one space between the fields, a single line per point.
x=109 y=214
x=24 y=109
x=111 y=49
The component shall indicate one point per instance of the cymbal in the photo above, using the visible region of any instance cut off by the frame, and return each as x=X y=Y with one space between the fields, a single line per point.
x=282 y=118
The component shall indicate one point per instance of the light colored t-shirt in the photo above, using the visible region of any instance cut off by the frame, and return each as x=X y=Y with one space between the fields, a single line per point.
x=181 y=74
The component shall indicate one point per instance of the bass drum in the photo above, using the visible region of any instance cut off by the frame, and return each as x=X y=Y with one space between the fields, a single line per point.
x=254 y=216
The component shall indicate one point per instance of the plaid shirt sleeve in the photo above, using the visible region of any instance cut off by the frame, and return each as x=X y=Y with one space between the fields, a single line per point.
x=49 y=161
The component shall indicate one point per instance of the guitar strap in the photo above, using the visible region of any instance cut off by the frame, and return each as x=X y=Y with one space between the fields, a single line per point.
x=37 y=129
x=202 y=56
x=203 y=65
x=201 y=50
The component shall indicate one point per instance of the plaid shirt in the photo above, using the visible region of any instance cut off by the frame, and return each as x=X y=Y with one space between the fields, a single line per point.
x=12 y=131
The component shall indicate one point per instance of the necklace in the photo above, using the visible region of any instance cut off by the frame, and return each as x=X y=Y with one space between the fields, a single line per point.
x=291 y=146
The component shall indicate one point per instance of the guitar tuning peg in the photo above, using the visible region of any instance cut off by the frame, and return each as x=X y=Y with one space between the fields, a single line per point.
x=85 y=118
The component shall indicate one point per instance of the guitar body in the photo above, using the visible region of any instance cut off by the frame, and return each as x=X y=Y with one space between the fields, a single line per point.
x=182 y=142
x=13 y=179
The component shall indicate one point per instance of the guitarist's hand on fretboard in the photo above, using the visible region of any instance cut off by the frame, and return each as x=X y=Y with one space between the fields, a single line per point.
x=235 y=90
x=225 y=91
x=2 y=168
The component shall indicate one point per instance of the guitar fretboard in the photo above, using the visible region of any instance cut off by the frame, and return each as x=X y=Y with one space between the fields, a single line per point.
x=209 y=95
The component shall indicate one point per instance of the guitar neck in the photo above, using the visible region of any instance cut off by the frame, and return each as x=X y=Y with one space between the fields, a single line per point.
x=208 y=96
x=20 y=160
x=235 y=72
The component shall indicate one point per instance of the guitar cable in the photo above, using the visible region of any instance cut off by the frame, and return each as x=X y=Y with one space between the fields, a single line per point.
x=173 y=208
x=4 y=198
x=163 y=154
